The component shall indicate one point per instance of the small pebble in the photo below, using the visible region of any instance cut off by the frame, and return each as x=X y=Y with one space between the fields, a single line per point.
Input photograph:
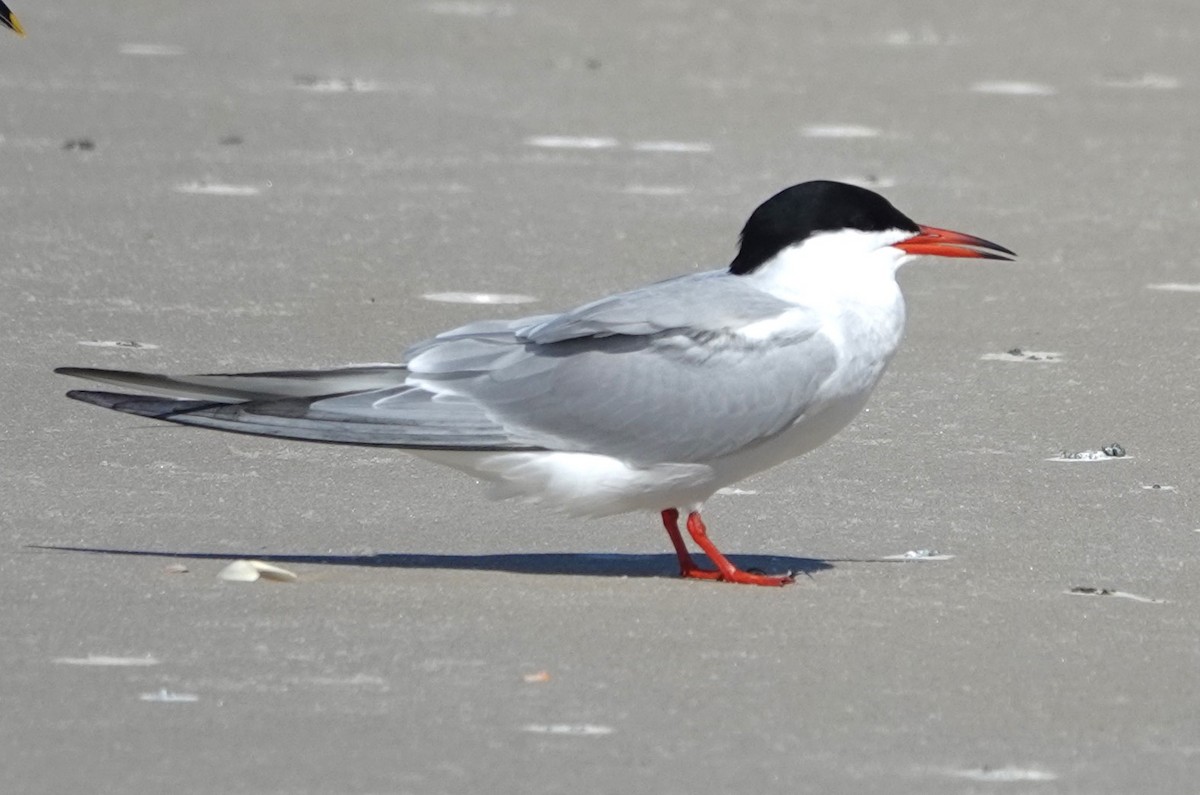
x=1083 y=589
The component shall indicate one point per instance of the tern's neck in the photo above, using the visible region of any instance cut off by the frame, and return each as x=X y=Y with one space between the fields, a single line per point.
x=823 y=271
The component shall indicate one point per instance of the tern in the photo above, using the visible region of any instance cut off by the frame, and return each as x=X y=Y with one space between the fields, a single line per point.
x=651 y=399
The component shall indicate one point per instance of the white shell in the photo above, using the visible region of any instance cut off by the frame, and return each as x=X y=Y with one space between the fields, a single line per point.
x=251 y=570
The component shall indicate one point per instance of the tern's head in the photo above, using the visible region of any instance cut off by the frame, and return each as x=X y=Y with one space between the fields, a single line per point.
x=839 y=221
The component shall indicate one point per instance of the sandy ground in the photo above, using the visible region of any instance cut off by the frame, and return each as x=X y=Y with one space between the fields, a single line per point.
x=244 y=186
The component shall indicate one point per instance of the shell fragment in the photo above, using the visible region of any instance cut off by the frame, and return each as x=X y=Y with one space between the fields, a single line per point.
x=252 y=570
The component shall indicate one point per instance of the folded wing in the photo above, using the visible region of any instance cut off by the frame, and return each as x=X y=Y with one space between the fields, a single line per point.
x=661 y=374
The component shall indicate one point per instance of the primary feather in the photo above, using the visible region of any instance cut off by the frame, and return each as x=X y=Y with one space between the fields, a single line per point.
x=593 y=380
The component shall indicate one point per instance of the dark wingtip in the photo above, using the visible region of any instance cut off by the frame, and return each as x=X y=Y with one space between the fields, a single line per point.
x=106 y=400
x=158 y=408
x=93 y=372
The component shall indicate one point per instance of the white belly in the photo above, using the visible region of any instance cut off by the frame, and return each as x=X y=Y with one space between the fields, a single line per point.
x=588 y=484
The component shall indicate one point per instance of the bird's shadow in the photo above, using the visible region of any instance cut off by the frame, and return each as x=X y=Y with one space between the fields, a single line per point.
x=561 y=563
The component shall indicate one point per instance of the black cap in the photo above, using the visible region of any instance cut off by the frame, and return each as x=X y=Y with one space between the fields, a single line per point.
x=796 y=213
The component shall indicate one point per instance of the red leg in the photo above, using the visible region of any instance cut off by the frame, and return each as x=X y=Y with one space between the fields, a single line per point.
x=728 y=572
x=687 y=566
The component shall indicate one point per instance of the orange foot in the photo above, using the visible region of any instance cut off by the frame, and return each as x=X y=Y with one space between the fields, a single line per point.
x=726 y=571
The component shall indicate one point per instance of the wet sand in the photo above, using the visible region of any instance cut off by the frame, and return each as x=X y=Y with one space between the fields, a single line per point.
x=275 y=185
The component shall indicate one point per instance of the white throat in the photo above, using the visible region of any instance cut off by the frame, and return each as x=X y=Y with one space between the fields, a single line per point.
x=847 y=265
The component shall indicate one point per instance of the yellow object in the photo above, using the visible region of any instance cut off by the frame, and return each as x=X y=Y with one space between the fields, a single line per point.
x=9 y=20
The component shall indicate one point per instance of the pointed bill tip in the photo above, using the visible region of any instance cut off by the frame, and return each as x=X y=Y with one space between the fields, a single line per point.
x=937 y=242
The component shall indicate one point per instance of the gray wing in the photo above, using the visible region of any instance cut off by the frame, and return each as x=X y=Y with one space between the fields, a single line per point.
x=404 y=417
x=711 y=301
x=655 y=375
x=658 y=374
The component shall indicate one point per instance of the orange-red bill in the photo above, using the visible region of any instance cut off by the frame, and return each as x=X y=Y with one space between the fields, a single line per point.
x=948 y=243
